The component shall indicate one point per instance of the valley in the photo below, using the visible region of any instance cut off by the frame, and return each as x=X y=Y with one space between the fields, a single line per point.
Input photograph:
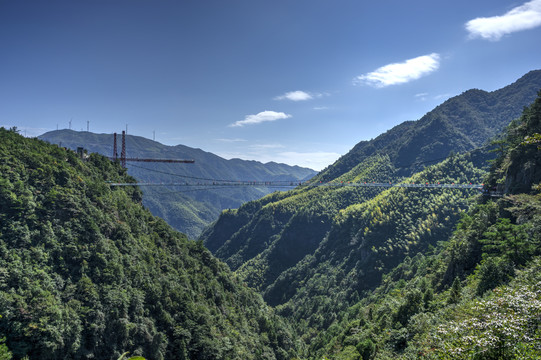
x=89 y=270
x=187 y=210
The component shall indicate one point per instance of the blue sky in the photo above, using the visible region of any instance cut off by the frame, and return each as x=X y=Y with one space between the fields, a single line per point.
x=293 y=81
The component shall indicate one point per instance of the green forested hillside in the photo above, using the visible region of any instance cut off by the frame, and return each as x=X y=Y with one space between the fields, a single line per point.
x=346 y=272
x=314 y=252
x=339 y=241
x=269 y=236
x=478 y=295
x=87 y=273
x=185 y=209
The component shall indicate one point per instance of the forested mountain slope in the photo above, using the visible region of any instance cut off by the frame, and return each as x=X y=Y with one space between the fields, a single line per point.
x=314 y=251
x=87 y=273
x=265 y=238
x=478 y=294
x=187 y=211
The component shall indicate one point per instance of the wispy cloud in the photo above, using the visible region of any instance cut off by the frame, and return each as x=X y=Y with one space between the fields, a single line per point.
x=442 y=97
x=427 y=96
x=398 y=73
x=321 y=108
x=524 y=17
x=261 y=117
x=267 y=146
x=295 y=96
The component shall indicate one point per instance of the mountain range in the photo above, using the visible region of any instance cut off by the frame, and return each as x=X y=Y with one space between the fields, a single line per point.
x=187 y=209
x=323 y=271
x=462 y=123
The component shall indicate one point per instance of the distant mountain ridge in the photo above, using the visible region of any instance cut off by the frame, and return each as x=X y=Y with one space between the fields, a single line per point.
x=191 y=211
x=460 y=124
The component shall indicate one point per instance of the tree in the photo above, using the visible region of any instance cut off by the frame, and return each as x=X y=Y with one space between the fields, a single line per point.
x=5 y=354
x=456 y=292
x=509 y=240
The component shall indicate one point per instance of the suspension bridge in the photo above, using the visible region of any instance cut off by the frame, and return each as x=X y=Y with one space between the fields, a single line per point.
x=198 y=183
x=292 y=184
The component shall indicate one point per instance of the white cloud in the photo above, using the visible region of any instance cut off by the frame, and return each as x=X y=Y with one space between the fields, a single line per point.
x=295 y=96
x=398 y=73
x=524 y=17
x=321 y=108
x=263 y=116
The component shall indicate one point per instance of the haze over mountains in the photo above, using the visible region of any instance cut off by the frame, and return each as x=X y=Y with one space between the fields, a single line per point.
x=186 y=209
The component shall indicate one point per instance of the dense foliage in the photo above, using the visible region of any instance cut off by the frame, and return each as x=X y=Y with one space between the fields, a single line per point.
x=467 y=300
x=400 y=273
x=476 y=296
x=87 y=272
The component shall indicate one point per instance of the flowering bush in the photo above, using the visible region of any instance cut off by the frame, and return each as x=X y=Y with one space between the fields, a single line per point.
x=505 y=326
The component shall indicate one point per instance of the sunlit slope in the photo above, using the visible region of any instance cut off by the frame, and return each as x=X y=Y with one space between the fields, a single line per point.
x=241 y=234
x=477 y=294
x=368 y=239
x=460 y=124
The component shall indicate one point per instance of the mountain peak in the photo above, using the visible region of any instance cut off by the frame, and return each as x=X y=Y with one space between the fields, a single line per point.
x=470 y=119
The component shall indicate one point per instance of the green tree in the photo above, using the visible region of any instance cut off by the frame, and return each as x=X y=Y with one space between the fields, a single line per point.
x=493 y=272
x=5 y=354
x=509 y=240
x=456 y=292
